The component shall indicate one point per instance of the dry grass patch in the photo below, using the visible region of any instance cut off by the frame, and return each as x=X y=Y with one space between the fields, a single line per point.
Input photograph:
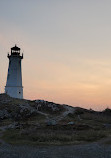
x=50 y=136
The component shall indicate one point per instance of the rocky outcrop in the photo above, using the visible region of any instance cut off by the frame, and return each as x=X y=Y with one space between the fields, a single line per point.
x=18 y=109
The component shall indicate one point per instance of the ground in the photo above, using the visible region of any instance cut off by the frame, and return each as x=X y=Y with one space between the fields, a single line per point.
x=42 y=129
x=92 y=150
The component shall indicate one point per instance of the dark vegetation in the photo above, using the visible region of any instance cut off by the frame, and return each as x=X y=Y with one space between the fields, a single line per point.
x=52 y=136
x=43 y=122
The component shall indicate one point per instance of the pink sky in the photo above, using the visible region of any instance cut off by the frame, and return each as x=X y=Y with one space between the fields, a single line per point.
x=67 y=49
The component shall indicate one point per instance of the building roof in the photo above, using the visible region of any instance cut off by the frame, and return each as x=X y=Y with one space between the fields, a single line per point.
x=15 y=48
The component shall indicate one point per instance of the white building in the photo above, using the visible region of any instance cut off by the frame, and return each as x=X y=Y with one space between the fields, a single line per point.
x=14 y=86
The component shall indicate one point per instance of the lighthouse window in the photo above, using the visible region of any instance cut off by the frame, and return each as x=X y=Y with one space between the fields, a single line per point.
x=19 y=92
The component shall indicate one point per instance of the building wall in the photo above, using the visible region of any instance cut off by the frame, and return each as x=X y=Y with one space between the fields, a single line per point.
x=15 y=92
x=14 y=78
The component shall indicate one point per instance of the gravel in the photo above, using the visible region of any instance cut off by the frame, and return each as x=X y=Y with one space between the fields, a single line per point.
x=92 y=150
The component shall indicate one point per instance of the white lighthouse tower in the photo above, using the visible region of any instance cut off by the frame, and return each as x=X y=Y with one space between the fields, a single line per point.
x=14 y=78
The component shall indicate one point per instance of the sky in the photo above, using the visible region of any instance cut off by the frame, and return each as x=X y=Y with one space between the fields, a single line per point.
x=66 y=46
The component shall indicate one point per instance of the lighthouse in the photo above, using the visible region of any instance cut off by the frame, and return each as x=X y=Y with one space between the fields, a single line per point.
x=14 y=86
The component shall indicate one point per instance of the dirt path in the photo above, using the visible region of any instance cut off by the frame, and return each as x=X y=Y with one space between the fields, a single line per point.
x=93 y=150
x=67 y=111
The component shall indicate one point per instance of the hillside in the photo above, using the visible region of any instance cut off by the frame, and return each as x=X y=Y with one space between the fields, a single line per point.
x=42 y=122
x=21 y=109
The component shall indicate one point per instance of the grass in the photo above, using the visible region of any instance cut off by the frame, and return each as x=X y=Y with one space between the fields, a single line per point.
x=50 y=136
x=94 y=119
x=107 y=142
x=5 y=122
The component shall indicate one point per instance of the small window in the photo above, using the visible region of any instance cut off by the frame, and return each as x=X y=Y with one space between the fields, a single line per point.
x=19 y=92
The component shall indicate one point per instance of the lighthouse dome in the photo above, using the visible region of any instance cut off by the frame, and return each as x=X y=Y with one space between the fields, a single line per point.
x=15 y=48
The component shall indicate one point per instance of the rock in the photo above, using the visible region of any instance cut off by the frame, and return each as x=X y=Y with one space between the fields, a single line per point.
x=107 y=125
x=71 y=123
x=4 y=114
x=51 y=122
